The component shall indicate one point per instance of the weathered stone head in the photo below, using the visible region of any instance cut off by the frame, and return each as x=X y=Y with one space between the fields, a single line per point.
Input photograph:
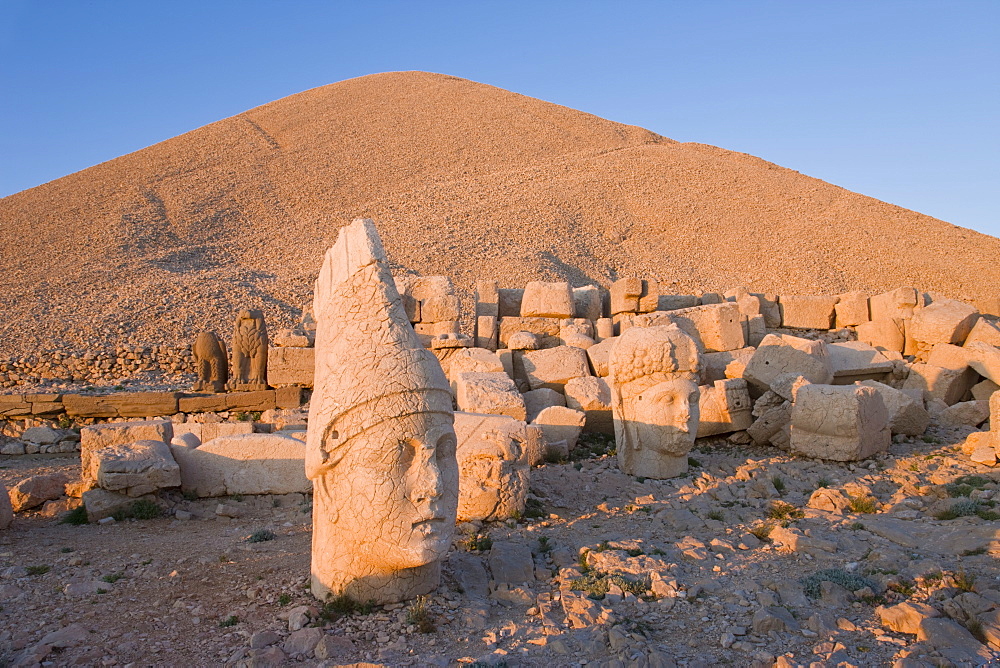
x=381 y=442
x=493 y=466
x=654 y=373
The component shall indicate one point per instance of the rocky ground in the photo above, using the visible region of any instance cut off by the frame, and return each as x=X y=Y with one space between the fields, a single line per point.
x=742 y=563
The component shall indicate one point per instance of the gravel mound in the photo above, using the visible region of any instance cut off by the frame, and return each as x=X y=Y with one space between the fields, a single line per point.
x=463 y=179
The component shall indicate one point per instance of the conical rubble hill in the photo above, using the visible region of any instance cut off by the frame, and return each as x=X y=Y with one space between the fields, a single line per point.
x=463 y=179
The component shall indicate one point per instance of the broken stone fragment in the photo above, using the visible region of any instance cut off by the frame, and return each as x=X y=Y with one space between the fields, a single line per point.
x=135 y=469
x=36 y=490
x=842 y=423
x=492 y=467
x=781 y=354
x=489 y=392
x=561 y=424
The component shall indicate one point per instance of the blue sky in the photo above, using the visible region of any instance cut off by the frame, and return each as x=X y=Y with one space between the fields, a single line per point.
x=896 y=100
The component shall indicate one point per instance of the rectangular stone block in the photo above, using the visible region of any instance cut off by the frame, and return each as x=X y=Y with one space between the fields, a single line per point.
x=720 y=366
x=945 y=321
x=144 y=404
x=885 y=333
x=853 y=361
x=985 y=359
x=841 y=423
x=724 y=407
x=545 y=328
x=554 y=367
x=423 y=288
x=587 y=303
x=47 y=408
x=714 y=328
x=780 y=355
x=487 y=298
x=547 y=300
x=948 y=385
x=754 y=329
x=509 y=302
x=288 y=397
x=82 y=405
x=411 y=306
x=12 y=405
x=99 y=436
x=493 y=393
x=625 y=293
x=984 y=331
x=202 y=403
x=852 y=309
x=898 y=303
x=291 y=366
x=807 y=312
x=439 y=309
x=260 y=400
x=486 y=333
x=675 y=302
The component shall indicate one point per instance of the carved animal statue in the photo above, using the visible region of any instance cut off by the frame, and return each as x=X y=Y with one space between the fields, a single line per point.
x=211 y=363
x=250 y=352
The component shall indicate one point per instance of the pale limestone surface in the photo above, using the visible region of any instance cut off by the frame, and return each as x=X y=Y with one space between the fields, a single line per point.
x=471 y=359
x=561 y=424
x=898 y=303
x=654 y=374
x=381 y=441
x=535 y=401
x=547 y=300
x=291 y=366
x=592 y=395
x=885 y=333
x=853 y=361
x=724 y=407
x=554 y=367
x=839 y=422
x=715 y=328
x=779 y=354
x=984 y=331
x=729 y=364
x=907 y=415
x=100 y=436
x=599 y=355
x=493 y=466
x=491 y=392
x=207 y=431
x=36 y=490
x=947 y=385
x=985 y=359
x=249 y=352
x=243 y=464
x=587 y=303
x=486 y=331
x=807 y=311
x=135 y=469
x=944 y=321
x=851 y=309
x=211 y=363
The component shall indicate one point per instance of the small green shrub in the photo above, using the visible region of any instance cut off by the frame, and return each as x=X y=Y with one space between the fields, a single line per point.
x=965 y=485
x=342 y=606
x=597 y=584
x=592 y=445
x=961 y=508
x=419 y=616
x=849 y=581
x=261 y=536
x=284 y=599
x=634 y=552
x=143 y=509
x=38 y=570
x=863 y=505
x=231 y=620
x=763 y=532
x=974 y=553
x=964 y=582
x=113 y=578
x=478 y=543
x=716 y=515
x=544 y=545
x=693 y=463
x=823 y=482
x=780 y=510
x=779 y=484
x=77 y=516
x=534 y=509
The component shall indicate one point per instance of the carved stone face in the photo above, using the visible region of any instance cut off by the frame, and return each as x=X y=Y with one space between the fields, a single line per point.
x=493 y=477
x=397 y=492
x=664 y=417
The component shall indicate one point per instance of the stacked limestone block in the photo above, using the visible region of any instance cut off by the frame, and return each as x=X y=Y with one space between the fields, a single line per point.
x=432 y=307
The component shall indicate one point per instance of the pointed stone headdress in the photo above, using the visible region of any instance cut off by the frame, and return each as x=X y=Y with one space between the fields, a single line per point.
x=370 y=366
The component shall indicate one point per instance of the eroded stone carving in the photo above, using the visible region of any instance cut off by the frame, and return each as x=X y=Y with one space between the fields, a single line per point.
x=492 y=466
x=654 y=374
x=381 y=442
x=250 y=352
x=211 y=363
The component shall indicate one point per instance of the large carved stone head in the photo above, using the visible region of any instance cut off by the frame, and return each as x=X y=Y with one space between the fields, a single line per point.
x=381 y=442
x=654 y=373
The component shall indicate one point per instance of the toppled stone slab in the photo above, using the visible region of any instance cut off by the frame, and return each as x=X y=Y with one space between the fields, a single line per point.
x=947 y=385
x=714 y=328
x=101 y=436
x=249 y=464
x=885 y=333
x=535 y=401
x=842 y=423
x=489 y=392
x=135 y=469
x=781 y=354
x=554 y=367
x=944 y=321
x=853 y=361
x=907 y=414
x=563 y=424
x=592 y=395
x=291 y=366
x=724 y=407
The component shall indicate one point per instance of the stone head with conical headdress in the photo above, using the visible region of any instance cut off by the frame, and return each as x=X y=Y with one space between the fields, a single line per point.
x=381 y=441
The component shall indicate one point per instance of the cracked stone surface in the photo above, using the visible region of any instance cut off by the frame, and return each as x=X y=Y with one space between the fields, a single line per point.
x=381 y=442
